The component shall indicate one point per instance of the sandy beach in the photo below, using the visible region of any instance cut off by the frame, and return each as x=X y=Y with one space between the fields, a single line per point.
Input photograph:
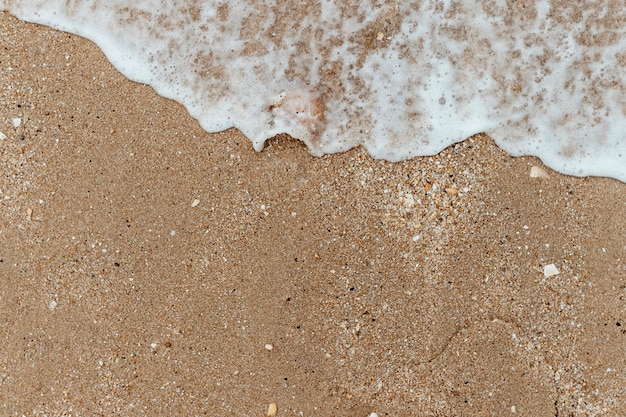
x=150 y=268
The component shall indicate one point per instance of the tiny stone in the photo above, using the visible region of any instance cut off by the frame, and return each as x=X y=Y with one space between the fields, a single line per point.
x=153 y=345
x=17 y=122
x=52 y=305
x=2 y=136
x=373 y=415
x=269 y=347
x=513 y=409
x=550 y=270
x=195 y=202
x=452 y=191
x=272 y=410
x=536 y=172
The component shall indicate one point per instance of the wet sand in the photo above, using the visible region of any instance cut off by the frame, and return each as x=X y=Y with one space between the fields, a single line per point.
x=150 y=268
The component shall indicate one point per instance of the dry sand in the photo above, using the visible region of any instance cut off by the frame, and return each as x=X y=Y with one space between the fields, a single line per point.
x=150 y=268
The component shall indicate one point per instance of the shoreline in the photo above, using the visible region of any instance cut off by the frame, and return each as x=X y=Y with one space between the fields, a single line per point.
x=338 y=285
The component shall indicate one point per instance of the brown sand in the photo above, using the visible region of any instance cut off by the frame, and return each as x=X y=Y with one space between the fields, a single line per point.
x=403 y=289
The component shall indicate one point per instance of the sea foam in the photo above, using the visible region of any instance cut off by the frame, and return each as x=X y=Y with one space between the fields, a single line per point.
x=402 y=79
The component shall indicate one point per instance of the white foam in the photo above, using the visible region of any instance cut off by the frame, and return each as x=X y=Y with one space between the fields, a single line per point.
x=542 y=78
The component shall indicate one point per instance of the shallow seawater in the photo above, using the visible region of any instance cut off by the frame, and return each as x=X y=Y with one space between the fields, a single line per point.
x=402 y=79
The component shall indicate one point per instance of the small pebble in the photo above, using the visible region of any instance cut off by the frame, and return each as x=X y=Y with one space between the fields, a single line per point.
x=17 y=122
x=195 y=202
x=550 y=270
x=272 y=410
x=2 y=136
x=269 y=347
x=452 y=191
x=536 y=172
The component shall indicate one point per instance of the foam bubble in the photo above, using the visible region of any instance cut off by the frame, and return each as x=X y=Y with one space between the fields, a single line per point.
x=540 y=77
